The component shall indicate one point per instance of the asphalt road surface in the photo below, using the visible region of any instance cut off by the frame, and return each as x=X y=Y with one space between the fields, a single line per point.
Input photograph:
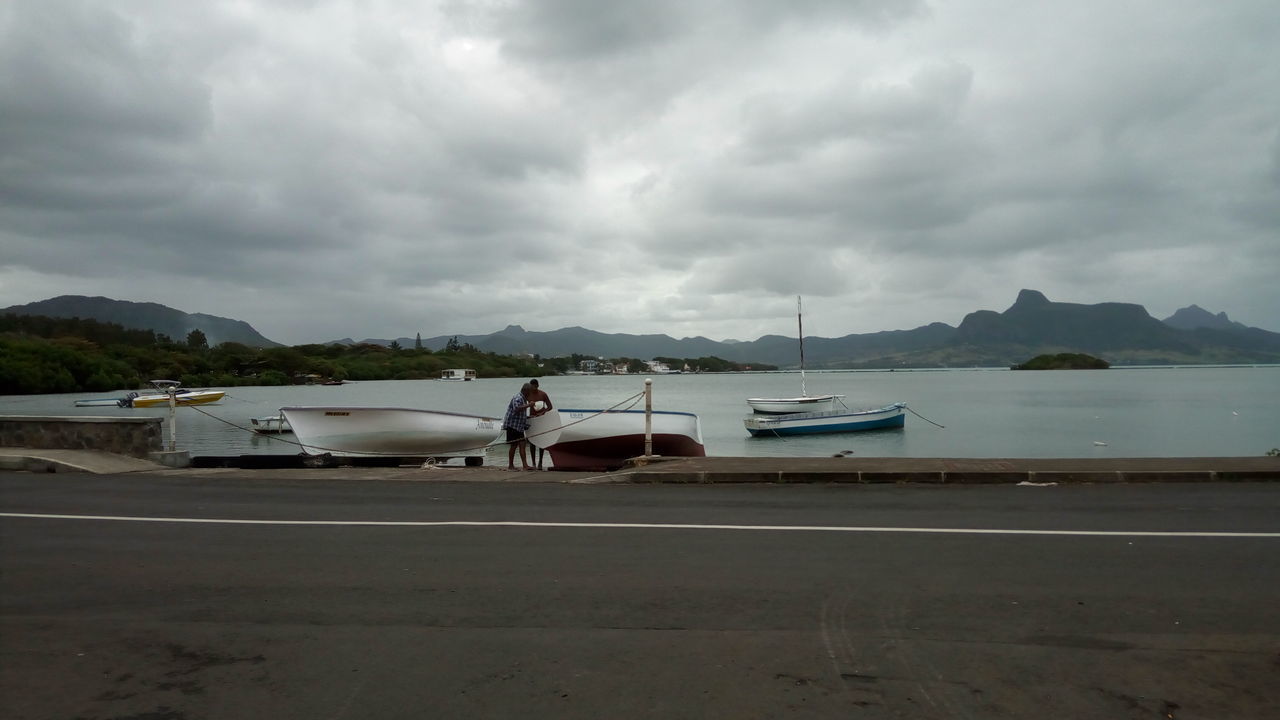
x=364 y=599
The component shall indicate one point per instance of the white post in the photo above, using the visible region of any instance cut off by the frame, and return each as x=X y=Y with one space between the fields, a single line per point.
x=648 y=417
x=173 y=420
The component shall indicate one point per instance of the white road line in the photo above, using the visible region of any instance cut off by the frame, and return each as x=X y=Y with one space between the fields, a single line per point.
x=647 y=526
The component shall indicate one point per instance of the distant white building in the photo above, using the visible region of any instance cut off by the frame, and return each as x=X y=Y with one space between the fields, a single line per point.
x=658 y=368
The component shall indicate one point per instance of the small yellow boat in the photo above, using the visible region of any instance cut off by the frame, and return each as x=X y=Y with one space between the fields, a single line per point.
x=180 y=397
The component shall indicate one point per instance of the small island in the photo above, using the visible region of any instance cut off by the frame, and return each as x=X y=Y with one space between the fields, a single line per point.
x=1063 y=361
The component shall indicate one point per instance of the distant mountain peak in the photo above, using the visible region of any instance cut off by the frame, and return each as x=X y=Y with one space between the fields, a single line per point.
x=1194 y=316
x=1030 y=299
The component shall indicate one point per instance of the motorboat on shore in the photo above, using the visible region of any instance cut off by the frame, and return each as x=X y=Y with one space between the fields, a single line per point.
x=607 y=439
x=835 y=421
x=391 y=432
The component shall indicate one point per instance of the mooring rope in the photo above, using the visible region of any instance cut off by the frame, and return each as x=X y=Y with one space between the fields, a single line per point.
x=913 y=412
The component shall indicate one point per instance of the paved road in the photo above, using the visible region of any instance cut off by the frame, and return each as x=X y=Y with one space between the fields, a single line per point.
x=571 y=615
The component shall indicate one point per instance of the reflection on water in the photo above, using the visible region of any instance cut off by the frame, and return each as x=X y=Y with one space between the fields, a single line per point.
x=987 y=413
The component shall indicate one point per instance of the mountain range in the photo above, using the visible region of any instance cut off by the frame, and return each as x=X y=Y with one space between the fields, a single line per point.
x=1121 y=333
x=146 y=316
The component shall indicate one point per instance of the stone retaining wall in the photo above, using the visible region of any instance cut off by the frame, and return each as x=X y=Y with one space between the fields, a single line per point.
x=134 y=436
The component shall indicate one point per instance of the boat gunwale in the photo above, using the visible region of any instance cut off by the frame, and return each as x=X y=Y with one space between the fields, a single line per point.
x=399 y=409
x=599 y=411
x=800 y=399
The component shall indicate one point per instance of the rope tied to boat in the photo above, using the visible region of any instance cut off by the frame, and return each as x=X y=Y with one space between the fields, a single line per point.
x=913 y=412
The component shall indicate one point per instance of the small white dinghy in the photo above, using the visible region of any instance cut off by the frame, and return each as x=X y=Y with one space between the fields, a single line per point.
x=805 y=403
x=271 y=424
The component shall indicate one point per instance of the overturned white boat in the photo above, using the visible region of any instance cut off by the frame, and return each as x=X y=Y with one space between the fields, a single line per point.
x=391 y=432
x=606 y=439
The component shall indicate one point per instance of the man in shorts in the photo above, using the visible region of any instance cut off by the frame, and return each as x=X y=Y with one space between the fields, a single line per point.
x=516 y=422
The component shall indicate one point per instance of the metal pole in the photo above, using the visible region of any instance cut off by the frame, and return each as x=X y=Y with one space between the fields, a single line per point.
x=800 y=325
x=173 y=420
x=648 y=417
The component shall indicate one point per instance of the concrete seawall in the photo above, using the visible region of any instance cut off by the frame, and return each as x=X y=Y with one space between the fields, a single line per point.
x=712 y=470
x=132 y=436
x=956 y=470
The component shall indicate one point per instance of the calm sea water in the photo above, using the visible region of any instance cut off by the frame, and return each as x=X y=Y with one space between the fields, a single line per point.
x=1139 y=412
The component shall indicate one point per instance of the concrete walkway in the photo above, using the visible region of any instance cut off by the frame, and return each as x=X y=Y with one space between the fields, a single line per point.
x=84 y=461
x=720 y=469
x=958 y=470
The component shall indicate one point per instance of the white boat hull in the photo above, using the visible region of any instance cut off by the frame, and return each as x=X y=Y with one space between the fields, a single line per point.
x=804 y=404
x=390 y=432
x=598 y=440
x=889 y=416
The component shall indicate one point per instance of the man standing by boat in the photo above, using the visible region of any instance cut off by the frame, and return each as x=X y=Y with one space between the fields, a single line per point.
x=516 y=422
x=534 y=398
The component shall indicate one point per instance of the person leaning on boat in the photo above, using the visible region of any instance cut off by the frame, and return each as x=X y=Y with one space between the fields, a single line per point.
x=516 y=422
x=538 y=395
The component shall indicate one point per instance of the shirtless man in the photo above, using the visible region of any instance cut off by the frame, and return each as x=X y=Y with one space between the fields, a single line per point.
x=534 y=397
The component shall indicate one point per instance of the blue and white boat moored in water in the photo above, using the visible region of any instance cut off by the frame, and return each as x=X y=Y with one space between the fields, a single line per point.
x=833 y=421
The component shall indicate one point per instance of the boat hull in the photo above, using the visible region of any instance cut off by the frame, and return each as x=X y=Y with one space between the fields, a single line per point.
x=194 y=397
x=804 y=404
x=599 y=440
x=890 y=416
x=390 y=432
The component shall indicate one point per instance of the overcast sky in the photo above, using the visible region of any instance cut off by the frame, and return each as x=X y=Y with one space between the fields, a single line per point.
x=378 y=169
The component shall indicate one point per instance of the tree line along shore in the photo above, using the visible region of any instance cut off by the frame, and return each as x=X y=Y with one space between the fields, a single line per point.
x=44 y=355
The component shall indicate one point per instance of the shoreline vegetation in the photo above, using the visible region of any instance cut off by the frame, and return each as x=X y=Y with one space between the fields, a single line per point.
x=44 y=355
x=1063 y=361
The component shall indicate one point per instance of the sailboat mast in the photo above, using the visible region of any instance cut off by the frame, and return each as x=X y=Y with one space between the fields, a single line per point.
x=800 y=325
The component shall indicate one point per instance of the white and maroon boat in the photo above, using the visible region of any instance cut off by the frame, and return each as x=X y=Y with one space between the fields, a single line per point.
x=391 y=432
x=605 y=440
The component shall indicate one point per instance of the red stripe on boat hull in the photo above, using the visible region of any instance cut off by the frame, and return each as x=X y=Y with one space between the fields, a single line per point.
x=611 y=453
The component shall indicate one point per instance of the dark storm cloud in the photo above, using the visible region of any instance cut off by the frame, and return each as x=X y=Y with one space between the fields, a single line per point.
x=335 y=168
